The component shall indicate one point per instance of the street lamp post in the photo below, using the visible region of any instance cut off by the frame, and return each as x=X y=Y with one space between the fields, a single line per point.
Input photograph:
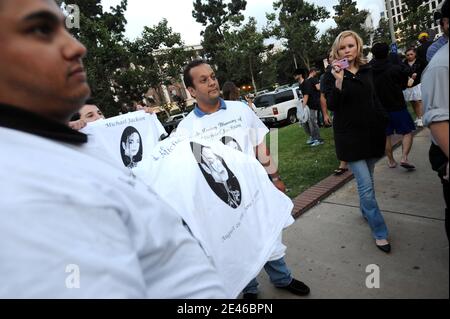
x=391 y=22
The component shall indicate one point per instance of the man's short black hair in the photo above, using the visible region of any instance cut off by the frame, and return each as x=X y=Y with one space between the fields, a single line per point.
x=411 y=49
x=74 y=117
x=300 y=71
x=380 y=50
x=188 y=82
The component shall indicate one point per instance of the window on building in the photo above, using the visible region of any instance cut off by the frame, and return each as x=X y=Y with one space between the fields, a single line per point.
x=393 y=12
x=392 y=3
x=396 y=2
x=395 y=20
x=433 y=5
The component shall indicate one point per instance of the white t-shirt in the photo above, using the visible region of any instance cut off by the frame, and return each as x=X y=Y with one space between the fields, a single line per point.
x=126 y=140
x=74 y=226
x=237 y=125
x=226 y=199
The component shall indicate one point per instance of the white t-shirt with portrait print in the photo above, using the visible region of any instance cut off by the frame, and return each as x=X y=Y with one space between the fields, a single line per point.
x=237 y=124
x=230 y=205
x=126 y=140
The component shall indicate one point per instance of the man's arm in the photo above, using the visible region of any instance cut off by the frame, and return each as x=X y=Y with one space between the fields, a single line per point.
x=305 y=100
x=323 y=106
x=440 y=131
x=266 y=160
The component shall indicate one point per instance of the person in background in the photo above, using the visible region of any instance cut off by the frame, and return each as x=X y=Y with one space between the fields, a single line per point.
x=422 y=49
x=412 y=93
x=390 y=80
x=311 y=98
x=230 y=91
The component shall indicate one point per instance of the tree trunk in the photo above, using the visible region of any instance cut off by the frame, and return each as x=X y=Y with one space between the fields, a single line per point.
x=251 y=72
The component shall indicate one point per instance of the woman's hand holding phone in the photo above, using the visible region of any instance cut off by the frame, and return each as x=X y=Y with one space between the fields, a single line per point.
x=337 y=70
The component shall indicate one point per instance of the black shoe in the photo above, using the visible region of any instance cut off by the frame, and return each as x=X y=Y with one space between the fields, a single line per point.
x=385 y=248
x=297 y=288
x=250 y=296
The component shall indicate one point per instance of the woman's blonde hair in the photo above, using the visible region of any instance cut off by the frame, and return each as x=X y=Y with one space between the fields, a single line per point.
x=360 y=59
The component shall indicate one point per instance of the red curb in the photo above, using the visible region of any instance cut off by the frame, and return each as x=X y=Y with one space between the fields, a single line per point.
x=313 y=195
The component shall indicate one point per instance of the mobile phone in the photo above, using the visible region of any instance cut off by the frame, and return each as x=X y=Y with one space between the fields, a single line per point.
x=343 y=64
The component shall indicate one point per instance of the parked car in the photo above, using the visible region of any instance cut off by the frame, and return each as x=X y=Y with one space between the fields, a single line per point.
x=262 y=92
x=172 y=122
x=279 y=106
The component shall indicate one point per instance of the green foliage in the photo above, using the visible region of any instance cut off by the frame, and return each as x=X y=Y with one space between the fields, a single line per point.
x=417 y=19
x=294 y=22
x=241 y=52
x=120 y=71
x=382 y=33
x=302 y=166
x=219 y=43
x=347 y=17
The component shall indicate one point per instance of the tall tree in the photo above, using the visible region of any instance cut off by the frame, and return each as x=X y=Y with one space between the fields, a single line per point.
x=294 y=22
x=218 y=17
x=242 y=51
x=103 y=35
x=156 y=58
x=416 y=19
x=347 y=17
x=382 y=33
x=121 y=71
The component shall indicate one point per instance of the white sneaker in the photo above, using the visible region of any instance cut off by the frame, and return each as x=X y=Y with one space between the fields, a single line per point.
x=310 y=141
x=316 y=143
x=419 y=122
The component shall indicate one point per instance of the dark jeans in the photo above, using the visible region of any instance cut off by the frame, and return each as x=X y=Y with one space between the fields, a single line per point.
x=439 y=161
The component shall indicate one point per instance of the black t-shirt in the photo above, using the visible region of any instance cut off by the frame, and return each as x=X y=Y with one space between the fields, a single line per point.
x=312 y=92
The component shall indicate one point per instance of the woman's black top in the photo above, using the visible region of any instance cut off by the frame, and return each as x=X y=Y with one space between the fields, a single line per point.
x=359 y=120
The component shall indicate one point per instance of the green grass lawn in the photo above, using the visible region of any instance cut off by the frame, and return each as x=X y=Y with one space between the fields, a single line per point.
x=302 y=166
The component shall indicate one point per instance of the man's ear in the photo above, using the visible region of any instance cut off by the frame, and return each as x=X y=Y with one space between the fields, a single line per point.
x=191 y=91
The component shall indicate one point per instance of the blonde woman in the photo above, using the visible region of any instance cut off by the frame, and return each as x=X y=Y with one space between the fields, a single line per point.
x=359 y=124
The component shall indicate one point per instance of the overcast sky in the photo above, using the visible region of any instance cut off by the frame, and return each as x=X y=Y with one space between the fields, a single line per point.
x=178 y=13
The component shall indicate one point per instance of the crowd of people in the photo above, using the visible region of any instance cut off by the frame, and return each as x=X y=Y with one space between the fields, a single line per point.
x=63 y=205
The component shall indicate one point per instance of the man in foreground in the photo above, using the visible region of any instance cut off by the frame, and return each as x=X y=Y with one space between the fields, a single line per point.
x=74 y=226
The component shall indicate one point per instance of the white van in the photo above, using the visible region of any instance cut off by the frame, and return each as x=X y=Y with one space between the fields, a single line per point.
x=279 y=106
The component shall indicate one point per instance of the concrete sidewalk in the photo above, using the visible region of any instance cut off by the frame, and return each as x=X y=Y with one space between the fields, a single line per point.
x=330 y=246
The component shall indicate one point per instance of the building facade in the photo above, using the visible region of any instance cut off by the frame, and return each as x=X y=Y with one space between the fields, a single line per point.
x=397 y=16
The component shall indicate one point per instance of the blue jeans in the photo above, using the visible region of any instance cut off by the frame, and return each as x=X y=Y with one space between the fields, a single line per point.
x=278 y=272
x=363 y=172
x=311 y=127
